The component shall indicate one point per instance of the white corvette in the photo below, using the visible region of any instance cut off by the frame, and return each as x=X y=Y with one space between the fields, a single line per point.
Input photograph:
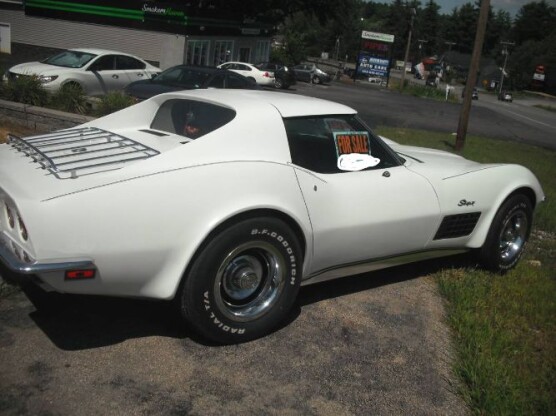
x=227 y=201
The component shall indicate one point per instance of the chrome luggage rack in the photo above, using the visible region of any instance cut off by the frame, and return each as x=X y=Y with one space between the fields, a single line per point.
x=71 y=153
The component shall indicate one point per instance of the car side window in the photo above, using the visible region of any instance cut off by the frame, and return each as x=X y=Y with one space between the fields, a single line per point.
x=127 y=62
x=104 y=63
x=243 y=67
x=217 y=81
x=336 y=144
x=235 y=81
x=191 y=118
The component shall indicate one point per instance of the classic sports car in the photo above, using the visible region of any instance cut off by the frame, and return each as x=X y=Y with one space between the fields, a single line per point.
x=228 y=200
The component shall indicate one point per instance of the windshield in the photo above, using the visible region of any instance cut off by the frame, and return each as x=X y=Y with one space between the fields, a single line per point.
x=70 y=59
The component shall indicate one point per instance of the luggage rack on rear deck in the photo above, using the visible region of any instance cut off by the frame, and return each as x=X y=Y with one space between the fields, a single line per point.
x=82 y=151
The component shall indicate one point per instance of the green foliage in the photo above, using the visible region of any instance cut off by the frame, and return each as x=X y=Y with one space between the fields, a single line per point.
x=112 y=102
x=69 y=98
x=24 y=89
x=505 y=336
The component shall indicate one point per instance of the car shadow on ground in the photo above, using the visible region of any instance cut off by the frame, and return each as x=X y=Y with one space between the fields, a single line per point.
x=79 y=322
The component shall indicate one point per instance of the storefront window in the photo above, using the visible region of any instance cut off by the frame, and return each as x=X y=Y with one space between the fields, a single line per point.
x=222 y=51
x=197 y=52
x=262 y=52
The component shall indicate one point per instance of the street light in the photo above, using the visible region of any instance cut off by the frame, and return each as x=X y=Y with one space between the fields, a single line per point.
x=413 y=13
x=506 y=53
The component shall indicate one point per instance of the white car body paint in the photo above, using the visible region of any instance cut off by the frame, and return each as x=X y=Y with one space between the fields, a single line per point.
x=94 y=83
x=141 y=225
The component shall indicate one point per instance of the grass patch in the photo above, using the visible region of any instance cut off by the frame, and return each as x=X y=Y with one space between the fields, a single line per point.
x=422 y=91
x=504 y=326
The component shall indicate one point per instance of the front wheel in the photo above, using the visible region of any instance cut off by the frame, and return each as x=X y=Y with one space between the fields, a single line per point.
x=244 y=282
x=508 y=234
x=316 y=80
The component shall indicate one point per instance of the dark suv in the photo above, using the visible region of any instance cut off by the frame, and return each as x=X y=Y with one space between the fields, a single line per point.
x=284 y=77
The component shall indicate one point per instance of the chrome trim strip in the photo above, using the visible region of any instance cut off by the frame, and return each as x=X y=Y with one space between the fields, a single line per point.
x=376 y=264
x=16 y=265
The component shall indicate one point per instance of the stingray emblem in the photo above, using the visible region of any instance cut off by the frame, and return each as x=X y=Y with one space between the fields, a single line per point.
x=356 y=161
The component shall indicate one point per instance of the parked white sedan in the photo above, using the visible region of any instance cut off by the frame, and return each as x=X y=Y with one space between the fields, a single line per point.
x=228 y=200
x=95 y=71
x=261 y=77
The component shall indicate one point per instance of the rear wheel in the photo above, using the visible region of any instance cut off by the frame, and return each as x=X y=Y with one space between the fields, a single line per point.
x=508 y=234
x=244 y=282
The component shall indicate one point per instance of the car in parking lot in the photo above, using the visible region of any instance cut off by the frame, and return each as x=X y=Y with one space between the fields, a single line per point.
x=311 y=73
x=226 y=201
x=250 y=71
x=95 y=71
x=505 y=96
x=284 y=77
x=187 y=77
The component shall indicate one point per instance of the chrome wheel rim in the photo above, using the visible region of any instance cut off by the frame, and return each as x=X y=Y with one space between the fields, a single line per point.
x=249 y=281
x=513 y=236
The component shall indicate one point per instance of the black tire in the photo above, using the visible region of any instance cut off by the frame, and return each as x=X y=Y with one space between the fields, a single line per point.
x=316 y=80
x=278 y=83
x=244 y=282
x=508 y=234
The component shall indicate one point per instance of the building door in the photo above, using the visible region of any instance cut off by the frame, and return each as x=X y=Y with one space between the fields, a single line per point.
x=244 y=54
x=5 y=38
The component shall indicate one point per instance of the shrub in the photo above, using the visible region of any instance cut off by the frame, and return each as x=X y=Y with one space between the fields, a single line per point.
x=112 y=102
x=24 y=89
x=69 y=98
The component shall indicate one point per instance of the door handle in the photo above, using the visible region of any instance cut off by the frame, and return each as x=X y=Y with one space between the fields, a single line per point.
x=139 y=74
x=115 y=76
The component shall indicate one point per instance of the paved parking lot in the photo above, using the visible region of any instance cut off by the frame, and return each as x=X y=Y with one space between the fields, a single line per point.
x=374 y=344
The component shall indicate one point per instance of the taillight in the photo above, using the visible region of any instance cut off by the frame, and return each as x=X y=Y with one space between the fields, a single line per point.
x=80 y=274
x=266 y=75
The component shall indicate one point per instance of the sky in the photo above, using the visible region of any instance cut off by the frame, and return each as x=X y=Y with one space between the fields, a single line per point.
x=511 y=6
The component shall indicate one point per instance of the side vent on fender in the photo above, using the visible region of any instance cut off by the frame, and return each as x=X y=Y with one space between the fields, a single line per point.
x=458 y=225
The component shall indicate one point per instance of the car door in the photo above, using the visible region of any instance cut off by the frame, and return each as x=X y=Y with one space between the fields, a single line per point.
x=371 y=207
x=129 y=70
x=302 y=72
x=107 y=77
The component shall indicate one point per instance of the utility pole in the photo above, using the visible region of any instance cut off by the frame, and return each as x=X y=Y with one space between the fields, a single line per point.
x=413 y=13
x=506 y=53
x=421 y=41
x=472 y=75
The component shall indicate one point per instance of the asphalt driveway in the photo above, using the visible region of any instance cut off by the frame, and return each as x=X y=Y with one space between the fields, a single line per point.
x=373 y=344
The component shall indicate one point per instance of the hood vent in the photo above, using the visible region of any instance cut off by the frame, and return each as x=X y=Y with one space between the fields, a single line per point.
x=71 y=153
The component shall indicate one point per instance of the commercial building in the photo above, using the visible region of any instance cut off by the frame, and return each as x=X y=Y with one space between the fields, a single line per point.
x=194 y=32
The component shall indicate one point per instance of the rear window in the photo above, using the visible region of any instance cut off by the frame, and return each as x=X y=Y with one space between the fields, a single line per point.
x=191 y=119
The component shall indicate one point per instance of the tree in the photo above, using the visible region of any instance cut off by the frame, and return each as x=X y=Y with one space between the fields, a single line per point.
x=534 y=22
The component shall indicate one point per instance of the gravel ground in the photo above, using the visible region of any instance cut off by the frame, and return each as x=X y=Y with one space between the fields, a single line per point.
x=373 y=344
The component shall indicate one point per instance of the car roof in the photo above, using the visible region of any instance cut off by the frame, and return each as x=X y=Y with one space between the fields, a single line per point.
x=97 y=51
x=210 y=69
x=252 y=101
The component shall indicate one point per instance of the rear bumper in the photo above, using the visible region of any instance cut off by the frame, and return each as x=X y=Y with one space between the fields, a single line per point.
x=16 y=270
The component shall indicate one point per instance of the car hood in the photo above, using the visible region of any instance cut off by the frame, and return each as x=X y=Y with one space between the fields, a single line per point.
x=437 y=165
x=37 y=68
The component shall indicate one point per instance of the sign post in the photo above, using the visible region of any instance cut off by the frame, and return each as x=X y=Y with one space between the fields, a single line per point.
x=375 y=55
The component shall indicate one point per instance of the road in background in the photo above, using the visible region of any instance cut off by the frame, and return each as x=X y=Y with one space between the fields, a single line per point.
x=518 y=121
